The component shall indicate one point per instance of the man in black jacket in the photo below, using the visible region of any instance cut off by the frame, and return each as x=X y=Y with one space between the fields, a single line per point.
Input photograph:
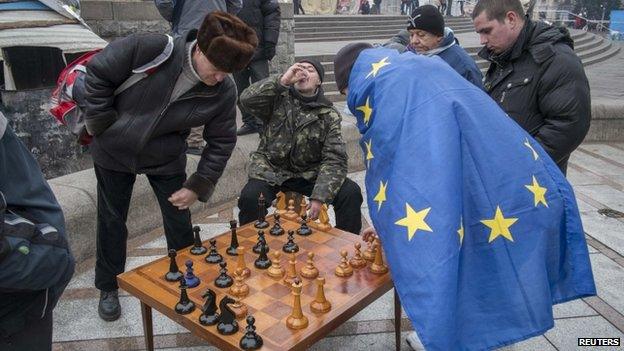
x=535 y=76
x=264 y=17
x=143 y=130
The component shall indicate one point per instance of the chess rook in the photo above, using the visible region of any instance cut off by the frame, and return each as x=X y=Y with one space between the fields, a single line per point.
x=297 y=320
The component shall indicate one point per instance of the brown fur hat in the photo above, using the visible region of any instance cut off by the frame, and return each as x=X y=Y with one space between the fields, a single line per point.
x=227 y=42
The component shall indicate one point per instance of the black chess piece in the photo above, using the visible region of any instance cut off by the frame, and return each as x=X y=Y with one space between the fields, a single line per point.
x=198 y=248
x=174 y=273
x=185 y=305
x=213 y=256
x=251 y=340
x=277 y=227
x=191 y=279
x=261 y=223
x=304 y=229
x=290 y=245
x=232 y=250
x=227 y=321
x=209 y=314
x=223 y=280
x=263 y=262
x=261 y=242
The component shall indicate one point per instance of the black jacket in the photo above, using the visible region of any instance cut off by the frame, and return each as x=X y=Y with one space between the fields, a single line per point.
x=264 y=17
x=139 y=130
x=541 y=84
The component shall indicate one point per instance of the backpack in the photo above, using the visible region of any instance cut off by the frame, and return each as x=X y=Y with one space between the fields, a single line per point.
x=65 y=102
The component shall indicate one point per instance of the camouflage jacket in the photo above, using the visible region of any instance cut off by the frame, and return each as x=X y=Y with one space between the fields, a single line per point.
x=301 y=139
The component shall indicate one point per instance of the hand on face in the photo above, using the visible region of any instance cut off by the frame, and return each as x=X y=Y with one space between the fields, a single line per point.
x=295 y=73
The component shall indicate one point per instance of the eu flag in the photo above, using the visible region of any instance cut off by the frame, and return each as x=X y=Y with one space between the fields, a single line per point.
x=480 y=228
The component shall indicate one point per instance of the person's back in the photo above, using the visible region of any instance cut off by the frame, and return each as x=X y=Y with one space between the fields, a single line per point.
x=185 y=15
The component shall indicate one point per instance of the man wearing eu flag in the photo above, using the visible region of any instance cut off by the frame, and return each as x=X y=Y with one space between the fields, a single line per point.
x=481 y=229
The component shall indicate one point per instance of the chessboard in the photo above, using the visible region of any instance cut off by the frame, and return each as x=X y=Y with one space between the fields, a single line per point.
x=270 y=300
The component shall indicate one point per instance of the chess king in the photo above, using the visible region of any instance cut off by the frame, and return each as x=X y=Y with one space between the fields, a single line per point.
x=301 y=147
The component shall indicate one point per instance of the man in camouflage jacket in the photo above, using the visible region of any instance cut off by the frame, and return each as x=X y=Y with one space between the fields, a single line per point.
x=301 y=147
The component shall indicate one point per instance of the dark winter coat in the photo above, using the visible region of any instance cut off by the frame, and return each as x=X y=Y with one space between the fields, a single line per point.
x=541 y=84
x=264 y=17
x=185 y=15
x=140 y=130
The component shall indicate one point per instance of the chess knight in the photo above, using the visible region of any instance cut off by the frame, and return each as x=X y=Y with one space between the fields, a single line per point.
x=301 y=147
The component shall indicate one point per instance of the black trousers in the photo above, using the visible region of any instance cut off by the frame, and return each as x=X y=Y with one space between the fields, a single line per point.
x=37 y=335
x=114 y=190
x=255 y=71
x=297 y=7
x=347 y=203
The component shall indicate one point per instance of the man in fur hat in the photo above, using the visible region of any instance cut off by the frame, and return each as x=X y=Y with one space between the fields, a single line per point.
x=301 y=147
x=143 y=130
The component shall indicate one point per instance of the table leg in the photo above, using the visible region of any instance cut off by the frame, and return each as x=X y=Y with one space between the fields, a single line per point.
x=397 y=321
x=148 y=330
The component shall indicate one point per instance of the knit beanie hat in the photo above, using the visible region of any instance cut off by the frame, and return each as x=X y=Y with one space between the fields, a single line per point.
x=317 y=65
x=344 y=60
x=227 y=42
x=427 y=18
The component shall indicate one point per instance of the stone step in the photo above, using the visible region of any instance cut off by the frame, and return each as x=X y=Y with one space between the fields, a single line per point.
x=603 y=56
x=349 y=36
x=399 y=21
x=360 y=18
x=369 y=28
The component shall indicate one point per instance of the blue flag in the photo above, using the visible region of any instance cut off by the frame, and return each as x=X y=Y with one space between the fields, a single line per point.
x=480 y=228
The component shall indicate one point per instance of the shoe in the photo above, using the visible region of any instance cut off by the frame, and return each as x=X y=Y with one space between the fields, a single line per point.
x=247 y=129
x=109 y=308
x=414 y=342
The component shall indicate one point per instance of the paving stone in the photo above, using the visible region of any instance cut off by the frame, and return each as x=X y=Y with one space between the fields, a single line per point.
x=566 y=332
x=86 y=279
x=605 y=150
x=538 y=343
x=575 y=308
x=380 y=341
x=382 y=308
x=609 y=278
x=604 y=229
x=604 y=194
x=576 y=177
x=208 y=231
x=595 y=165
x=196 y=348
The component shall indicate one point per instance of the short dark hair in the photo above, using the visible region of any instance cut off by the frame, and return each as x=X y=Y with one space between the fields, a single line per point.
x=497 y=9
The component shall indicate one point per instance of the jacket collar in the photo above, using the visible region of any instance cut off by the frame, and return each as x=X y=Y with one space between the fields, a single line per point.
x=318 y=100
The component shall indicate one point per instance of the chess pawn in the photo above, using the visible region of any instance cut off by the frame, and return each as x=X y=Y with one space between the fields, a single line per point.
x=343 y=269
x=296 y=320
x=174 y=273
x=320 y=303
x=309 y=271
x=276 y=270
x=240 y=288
x=280 y=207
x=378 y=266
x=277 y=229
x=261 y=223
x=290 y=246
x=223 y=280
x=251 y=340
x=233 y=241
x=240 y=262
x=197 y=248
x=185 y=305
x=369 y=253
x=213 y=256
x=304 y=229
x=290 y=213
x=209 y=314
x=191 y=279
x=291 y=271
x=357 y=261
x=324 y=219
x=240 y=309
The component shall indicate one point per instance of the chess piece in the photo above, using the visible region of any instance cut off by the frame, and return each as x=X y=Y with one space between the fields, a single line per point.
x=233 y=241
x=240 y=262
x=277 y=229
x=357 y=261
x=280 y=207
x=185 y=305
x=320 y=303
x=263 y=262
x=290 y=246
x=213 y=256
x=309 y=271
x=324 y=219
x=240 y=288
x=343 y=269
x=276 y=270
x=296 y=320
x=191 y=279
x=303 y=207
x=290 y=213
x=369 y=253
x=174 y=273
x=304 y=229
x=261 y=242
x=223 y=280
x=240 y=309
x=261 y=223
x=227 y=322
x=197 y=248
x=291 y=271
x=209 y=314
x=251 y=340
x=378 y=266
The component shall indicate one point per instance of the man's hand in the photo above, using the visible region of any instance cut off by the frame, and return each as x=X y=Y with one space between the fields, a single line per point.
x=314 y=208
x=294 y=74
x=369 y=233
x=183 y=198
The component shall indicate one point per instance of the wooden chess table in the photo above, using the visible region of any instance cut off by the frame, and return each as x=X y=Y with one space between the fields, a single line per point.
x=270 y=300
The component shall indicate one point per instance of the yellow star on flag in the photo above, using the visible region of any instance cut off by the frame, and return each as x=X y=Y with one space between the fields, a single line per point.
x=460 y=231
x=369 y=152
x=381 y=195
x=377 y=66
x=528 y=144
x=538 y=192
x=499 y=225
x=414 y=220
x=366 y=110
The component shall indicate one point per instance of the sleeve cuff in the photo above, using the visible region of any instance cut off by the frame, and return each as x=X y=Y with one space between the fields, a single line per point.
x=201 y=186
